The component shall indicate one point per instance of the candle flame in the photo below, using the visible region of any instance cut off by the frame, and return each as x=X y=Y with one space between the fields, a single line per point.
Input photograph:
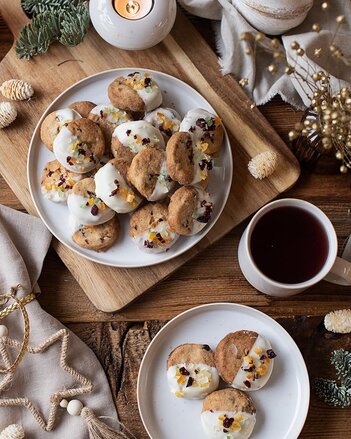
x=132 y=7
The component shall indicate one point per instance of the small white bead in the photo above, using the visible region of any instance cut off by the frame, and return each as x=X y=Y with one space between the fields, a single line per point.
x=4 y=332
x=74 y=407
x=63 y=403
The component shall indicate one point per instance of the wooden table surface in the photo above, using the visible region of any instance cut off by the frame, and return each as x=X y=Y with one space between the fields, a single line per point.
x=120 y=340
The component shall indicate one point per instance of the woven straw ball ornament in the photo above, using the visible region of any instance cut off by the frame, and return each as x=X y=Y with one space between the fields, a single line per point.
x=263 y=165
x=16 y=90
x=8 y=114
x=13 y=431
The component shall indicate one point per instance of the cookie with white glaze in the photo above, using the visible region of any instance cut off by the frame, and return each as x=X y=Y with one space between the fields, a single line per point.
x=166 y=120
x=206 y=128
x=148 y=174
x=97 y=238
x=108 y=118
x=85 y=206
x=136 y=92
x=191 y=371
x=244 y=360
x=228 y=414
x=79 y=146
x=189 y=210
x=82 y=107
x=53 y=123
x=57 y=182
x=113 y=188
x=149 y=228
x=185 y=163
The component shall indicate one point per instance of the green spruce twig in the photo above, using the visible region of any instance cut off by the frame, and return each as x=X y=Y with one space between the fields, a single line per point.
x=53 y=20
x=333 y=392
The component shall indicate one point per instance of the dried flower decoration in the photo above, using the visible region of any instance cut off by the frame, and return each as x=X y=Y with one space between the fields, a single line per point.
x=8 y=114
x=263 y=165
x=13 y=431
x=16 y=90
x=338 y=321
x=332 y=110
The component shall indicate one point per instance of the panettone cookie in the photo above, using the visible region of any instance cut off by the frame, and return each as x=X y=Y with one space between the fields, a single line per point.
x=57 y=182
x=166 y=120
x=228 y=414
x=244 y=360
x=97 y=238
x=206 y=128
x=132 y=137
x=79 y=146
x=136 y=92
x=82 y=107
x=189 y=210
x=85 y=206
x=108 y=118
x=191 y=371
x=185 y=163
x=113 y=189
x=148 y=174
x=53 y=123
x=149 y=228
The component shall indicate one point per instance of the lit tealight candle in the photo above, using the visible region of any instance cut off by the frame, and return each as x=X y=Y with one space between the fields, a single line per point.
x=133 y=9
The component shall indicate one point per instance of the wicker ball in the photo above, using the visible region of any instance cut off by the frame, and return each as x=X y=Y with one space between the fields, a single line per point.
x=16 y=90
x=263 y=165
x=8 y=114
x=338 y=321
x=13 y=431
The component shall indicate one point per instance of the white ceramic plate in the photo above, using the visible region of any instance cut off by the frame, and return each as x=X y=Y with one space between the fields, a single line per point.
x=282 y=405
x=176 y=94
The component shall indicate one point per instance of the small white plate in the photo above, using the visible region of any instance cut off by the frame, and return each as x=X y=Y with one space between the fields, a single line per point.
x=282 y=405
x=176 y=94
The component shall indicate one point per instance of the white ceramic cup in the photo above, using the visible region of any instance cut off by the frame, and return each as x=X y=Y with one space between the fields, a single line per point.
x=333 y=264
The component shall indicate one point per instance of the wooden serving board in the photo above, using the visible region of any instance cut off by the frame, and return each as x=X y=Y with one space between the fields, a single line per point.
x=183 y=54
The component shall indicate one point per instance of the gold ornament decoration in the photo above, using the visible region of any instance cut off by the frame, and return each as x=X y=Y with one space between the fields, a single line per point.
x=8 y=114
x=338 y=321
x=263 y=165
x=16 y=90
x=243 y=82
x=316 y=27
x=13 y=431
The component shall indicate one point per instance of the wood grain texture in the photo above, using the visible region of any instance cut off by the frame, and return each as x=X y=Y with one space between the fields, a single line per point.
x=248 y=130
x=119 y=345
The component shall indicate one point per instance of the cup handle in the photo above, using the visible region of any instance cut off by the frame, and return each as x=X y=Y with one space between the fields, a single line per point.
x=340 y=273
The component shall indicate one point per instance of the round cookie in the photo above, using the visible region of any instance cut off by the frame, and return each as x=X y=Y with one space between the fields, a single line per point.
x=135 y=92
x=206 y=128
x=79 y=146
x=149 y=228
x=82 y=107
x=148 y=174
x=108 y=118
x=166 y=120
x=57 y=182
x=85 y=206
x=185 y=163
x=132 y=137
x=97 y=238
x=189 y=210
x=53 y=123
x=113 y=189
x=191 y=371
x=244 y=360
x=228 y=414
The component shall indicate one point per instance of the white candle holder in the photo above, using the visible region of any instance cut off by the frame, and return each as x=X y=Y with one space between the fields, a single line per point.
x=148 y=22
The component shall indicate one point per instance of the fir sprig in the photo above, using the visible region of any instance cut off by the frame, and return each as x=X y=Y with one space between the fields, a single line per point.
x=332 y=392
x=53 y=20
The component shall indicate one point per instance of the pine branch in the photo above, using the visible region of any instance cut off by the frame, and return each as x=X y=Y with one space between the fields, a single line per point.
x=35 y=7
x=341 y=360
x=37 y=36
x=74 y=24
x=331 y=393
